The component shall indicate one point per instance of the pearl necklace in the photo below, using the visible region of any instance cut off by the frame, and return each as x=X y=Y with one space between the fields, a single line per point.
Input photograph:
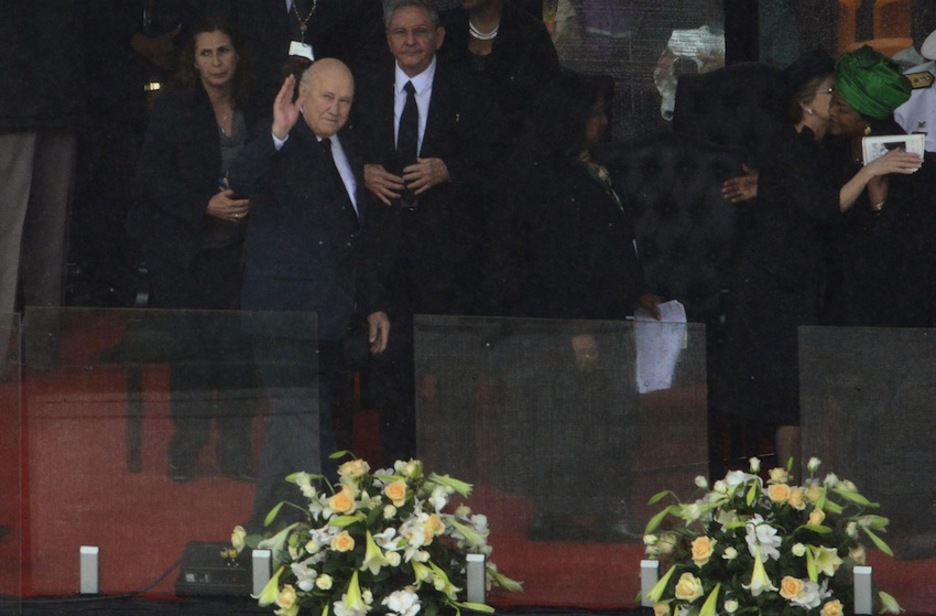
x=483 y=36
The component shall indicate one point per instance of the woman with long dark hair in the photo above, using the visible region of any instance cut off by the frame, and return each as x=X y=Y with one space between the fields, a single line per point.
x=192 y=226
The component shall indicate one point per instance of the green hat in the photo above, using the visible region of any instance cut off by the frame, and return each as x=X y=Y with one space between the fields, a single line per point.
x=871 y=83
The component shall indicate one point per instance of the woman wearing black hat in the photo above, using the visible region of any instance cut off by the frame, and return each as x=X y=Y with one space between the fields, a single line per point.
x=780 y=272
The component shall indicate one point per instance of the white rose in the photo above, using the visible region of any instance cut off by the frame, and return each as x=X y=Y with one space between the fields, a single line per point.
x=731 y=606
x=755 y=465
x=813 y=465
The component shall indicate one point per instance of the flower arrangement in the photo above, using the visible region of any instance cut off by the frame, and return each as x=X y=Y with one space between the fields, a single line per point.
x=376 y=543
x=750 y=547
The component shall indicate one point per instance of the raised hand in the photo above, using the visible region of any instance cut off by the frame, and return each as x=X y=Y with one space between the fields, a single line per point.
x=285 y=110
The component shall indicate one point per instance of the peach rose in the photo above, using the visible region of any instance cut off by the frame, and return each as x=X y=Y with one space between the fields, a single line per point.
x=343 y=542
x=832 y=608
x=814 y=493
x=816 y=517
x=435 y=524
x=791 y=587
x=779 y=475
x=287 y=597
x=353 y=469
x=702 y=550
x=688 y=588
x=396 y=492
x=661 y=609
x=342 y=502
x=778 y=492
x=797 y=499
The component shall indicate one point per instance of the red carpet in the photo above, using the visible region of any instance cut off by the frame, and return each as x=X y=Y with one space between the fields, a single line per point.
x=77 y=491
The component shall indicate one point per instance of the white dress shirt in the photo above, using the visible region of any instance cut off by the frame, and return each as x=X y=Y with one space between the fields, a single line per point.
x=422 y=83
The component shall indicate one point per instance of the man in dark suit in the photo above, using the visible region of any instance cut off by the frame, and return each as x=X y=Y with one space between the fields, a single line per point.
x=305 y=252
x=432 y=138
x=276 y=30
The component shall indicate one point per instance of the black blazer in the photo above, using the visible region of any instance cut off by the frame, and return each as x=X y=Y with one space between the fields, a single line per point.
x=436 y=246
x=350 y=30
x=579 y=246
x=304 y=251
x=178 y=172
x=523 y=58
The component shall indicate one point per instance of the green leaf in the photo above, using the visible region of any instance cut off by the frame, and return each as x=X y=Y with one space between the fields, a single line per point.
x=751 y=494
x=474 y=607
x=659 y=496
x=656 y=593
x=273 y=513
x=854 y=497
x=708 y=608
x=832 y=507
x=657 y=519
x=881 y=545
x=344 y=521
x=811 y=566
x=341 y=454
x=818 y=528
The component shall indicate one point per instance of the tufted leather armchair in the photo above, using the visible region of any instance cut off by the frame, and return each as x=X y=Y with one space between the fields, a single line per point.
x=735 y=105
x=685 y=230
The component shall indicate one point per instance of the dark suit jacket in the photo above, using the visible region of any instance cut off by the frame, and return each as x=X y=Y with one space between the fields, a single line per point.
x=522 y=59
x=432 y=254
x=579 y=246
x=304 y=252
x=178 y=172
x=350 y=30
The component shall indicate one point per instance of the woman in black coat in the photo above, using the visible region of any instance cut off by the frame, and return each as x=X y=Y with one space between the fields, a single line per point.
x=192 y=228
x=505 y=45
x=781 y=267
x=885 y=263
x=565 y=249
x=563 y=240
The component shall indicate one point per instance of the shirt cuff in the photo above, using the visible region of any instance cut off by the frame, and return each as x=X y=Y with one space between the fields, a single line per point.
x=279 y=143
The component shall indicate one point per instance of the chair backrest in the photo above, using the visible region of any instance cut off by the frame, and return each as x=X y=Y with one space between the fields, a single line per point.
x=685 y=230
x=734 y=106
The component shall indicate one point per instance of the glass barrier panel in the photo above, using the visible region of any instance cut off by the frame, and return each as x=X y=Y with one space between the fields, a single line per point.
x=12 y=516
x=143 y=431
x=565 y=432
x=867 y=398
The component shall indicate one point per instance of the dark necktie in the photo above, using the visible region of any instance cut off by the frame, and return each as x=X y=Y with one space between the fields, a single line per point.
x=408 y=138
x=337 y=183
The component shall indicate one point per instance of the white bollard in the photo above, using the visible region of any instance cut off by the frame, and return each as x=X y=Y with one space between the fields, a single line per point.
x=88 y=562
x=649 y=575
x=863 y=602
x=262 y=565
x=476 y=578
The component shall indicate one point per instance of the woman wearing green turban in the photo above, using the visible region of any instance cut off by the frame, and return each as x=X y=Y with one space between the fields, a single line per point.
x=881 y=256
